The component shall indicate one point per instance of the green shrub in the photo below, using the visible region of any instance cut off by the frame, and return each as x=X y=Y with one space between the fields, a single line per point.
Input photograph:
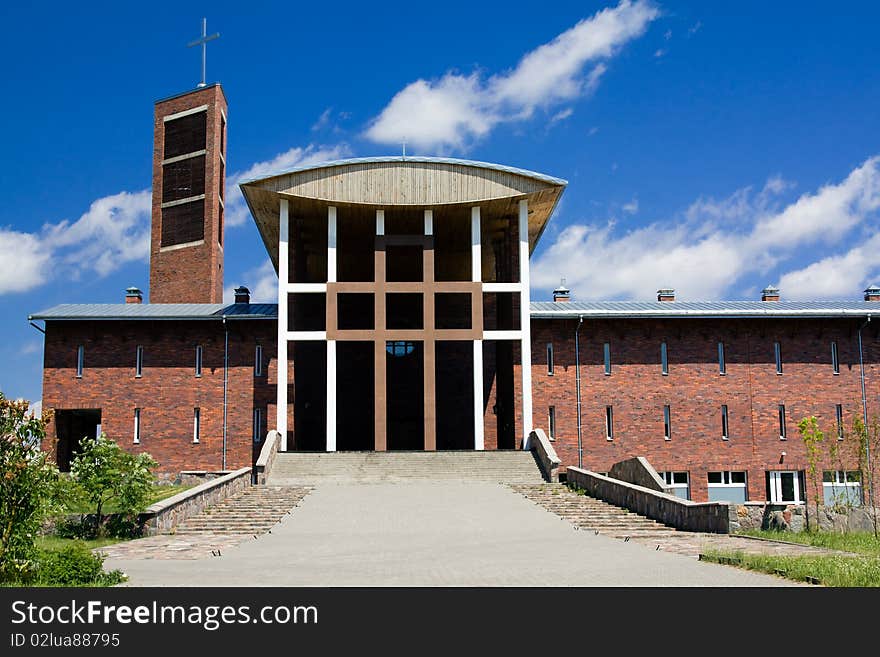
x=74 y=565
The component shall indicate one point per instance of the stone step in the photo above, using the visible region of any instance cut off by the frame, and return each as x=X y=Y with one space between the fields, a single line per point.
x=255 y=510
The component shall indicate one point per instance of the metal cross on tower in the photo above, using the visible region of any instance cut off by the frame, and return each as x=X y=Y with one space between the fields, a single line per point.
x=203 y=41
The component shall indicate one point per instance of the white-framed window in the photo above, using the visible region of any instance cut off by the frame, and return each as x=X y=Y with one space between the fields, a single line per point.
x=258 y=425
x=197 y=424
x=80 y=359
x=549 y=359
x=139 y=361
x=781 y=413
x=609 y=423
x=727 y=486
x=667 y=423
x=664 y=360
x=199 y=353
x=722 y=362
x=785 y=487
x=835 y=362
x=606 y=348
x=551 y=423
x=258 y=360
x=725 y=423
x=777 y=354
x=842 y=487
x=838 y=411
x=678 y=481
x=137 y=426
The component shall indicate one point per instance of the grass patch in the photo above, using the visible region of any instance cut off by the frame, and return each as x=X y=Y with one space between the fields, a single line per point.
x=817 y=569
x=160 y=492
x=51 y=542
x=858 y=542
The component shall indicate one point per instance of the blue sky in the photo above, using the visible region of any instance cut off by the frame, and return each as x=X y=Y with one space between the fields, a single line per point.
x=713 y=149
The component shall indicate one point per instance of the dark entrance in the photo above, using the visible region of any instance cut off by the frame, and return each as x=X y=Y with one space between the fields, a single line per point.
x=309 y=396
x=355 y=408
x=405 y=394
x=455 y=394
x=71 y=427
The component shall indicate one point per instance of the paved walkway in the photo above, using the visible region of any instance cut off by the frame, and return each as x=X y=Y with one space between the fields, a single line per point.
x=417 y=534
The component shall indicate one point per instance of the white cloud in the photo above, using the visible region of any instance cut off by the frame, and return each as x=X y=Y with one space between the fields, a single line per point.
x=659 y=52
x=323 y=120
x=23 y=261
x=561 y=115
x=262 y=282
x=632 y=207
x=454 y=110
x=714 y=243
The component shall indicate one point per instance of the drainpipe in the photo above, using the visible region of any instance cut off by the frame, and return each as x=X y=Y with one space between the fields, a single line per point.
x=577 y=378
x=225 y=383
x=865 y=408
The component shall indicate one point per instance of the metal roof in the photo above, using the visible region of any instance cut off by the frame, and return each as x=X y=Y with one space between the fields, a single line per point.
x=197 y=311
x=599 y=309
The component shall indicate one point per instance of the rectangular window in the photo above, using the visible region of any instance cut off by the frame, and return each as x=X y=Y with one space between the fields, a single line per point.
x=722 y=363
x=839 y=410
x=667 y=424
x=678 y=483
x=551 y=422
x=835 y=363
x=725 y=426
x=137 y=426
x=609 y=423
x=550 y=359
x=258 y=425
x=199 y=360
x=727 y=486
x=197 y=424
x=607 y=350
x=777 y=352
x=139 y=361
x=842 y=487
x=781 y=409
x=258 y=360
x=664 y=361
x=80 y=358
x=785 y=487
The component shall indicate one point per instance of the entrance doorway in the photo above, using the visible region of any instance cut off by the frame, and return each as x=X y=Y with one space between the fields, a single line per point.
x=405 y=394
x=72 y=425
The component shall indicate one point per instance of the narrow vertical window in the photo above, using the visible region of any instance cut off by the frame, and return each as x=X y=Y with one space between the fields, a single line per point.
x=139 y=361
x=664 y=361
x=137 y=426
x=667 y=423
x=258 y=360
x=551 y=422
x=722 y=363
x=607 y=350
x=80 y=357
x=782 y=422
x=550 y=359
x=197 y=424
x=840 y=421
x=725 y=428
x=835 y=363
x=609 y=423
x=777 y=352
x=258 y=424
x=199 y=360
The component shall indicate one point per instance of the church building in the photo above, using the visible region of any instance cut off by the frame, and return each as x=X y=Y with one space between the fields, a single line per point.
x=404 y=321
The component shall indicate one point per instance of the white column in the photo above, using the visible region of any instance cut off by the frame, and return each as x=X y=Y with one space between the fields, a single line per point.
x=525 y=321
x=283 y=264
x=331 y=395
x=429 y=222
x=476 y=265
x=479 y=437
x=331 y=244
x=380 y=222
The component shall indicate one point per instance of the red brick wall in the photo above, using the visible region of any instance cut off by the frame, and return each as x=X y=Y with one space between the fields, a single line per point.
x=192 y=274
x=695 y=391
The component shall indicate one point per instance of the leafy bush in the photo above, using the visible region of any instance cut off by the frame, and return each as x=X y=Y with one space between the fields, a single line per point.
x=74 y=565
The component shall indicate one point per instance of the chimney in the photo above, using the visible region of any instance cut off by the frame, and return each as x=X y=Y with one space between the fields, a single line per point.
x=133 y=295
x=770 y=293
x=562 y=294
x=666 y=294
x=872 y=293
x=242 y=295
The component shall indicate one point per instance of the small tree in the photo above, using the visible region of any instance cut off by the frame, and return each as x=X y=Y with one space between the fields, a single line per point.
x=28 y=487
x=812 y=436
x=106 y=473
x=868 y=437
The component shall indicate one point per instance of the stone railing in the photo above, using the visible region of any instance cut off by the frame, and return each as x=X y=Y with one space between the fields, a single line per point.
x=165 y=515
x=543 y=450
x=639 y=472
x=267 y=457
x=715 y=517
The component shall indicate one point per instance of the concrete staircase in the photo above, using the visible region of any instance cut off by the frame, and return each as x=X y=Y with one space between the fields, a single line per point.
x=253 y=511
x=309 y=468
x=590 y=513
